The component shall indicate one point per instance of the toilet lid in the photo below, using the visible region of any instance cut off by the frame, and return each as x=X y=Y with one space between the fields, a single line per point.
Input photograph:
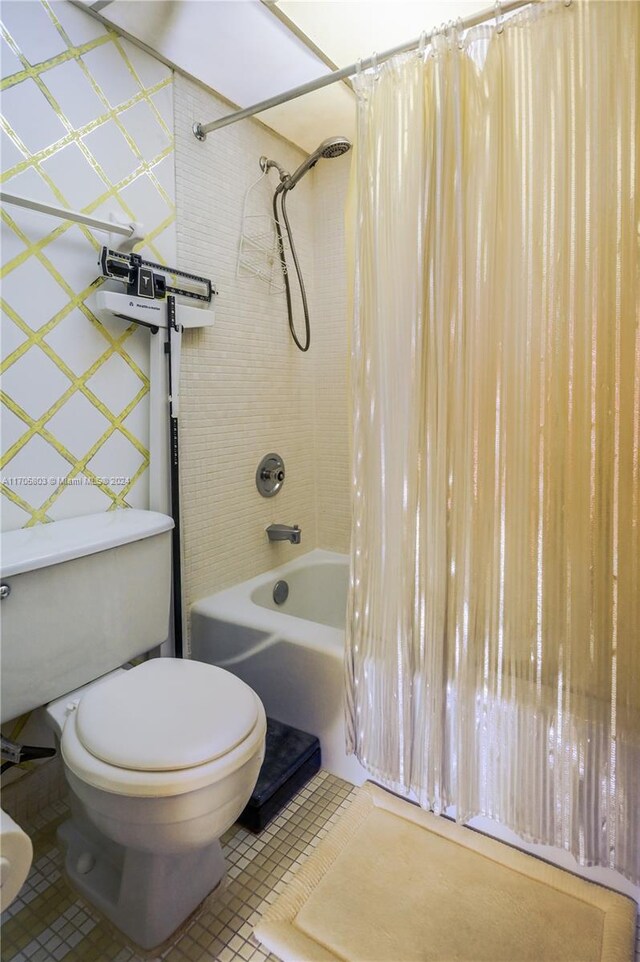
x=165 y=715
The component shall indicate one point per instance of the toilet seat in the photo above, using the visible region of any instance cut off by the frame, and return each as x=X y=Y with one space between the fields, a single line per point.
x=184 y=724
x=166 y=714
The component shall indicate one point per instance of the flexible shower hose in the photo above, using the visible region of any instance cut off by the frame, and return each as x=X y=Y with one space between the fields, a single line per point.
x=285 y=273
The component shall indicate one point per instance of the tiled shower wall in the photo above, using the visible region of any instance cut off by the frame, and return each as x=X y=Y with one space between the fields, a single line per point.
x=331 y=356
x=246 y=389
x=87 y=123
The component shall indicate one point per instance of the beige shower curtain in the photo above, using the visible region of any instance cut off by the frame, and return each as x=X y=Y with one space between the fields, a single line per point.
x=493 y=640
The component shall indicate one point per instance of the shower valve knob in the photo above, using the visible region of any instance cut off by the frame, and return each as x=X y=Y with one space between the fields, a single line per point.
x=270 y=475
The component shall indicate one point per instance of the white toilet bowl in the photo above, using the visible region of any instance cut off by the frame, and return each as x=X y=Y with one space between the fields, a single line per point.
x=161 y=760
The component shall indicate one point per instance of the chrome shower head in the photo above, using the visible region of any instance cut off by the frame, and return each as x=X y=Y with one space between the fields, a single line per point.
x=333 y=147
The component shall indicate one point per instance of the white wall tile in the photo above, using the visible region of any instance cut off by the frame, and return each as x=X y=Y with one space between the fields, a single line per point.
x=150 y=71
x=163 y=102
x=109 y=146
x=78 y=499
x=11 y=427
x=12 y=337
x=32 y=30
x=116 y=450
x=74 y=177
x=10 y=154
x=38 y=459
x=137 y=423
x=75 y=260
x=137 y=344
x=165 y=243
x=165 y=174
x=143 y=197
x=21 y=105
x=112 y=74
x=33 y=293
x=28 y=182
x=77 y=341
x=79 y=27
x=12 y=516
x=73 y=93
x=11 y=244
x=115 y=384
x=9 y=63
x=77 y=425
x=141 y=122
x=34 y=382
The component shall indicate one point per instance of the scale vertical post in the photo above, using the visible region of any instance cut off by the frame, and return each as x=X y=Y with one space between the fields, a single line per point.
x=174 y=456
x=146 y=283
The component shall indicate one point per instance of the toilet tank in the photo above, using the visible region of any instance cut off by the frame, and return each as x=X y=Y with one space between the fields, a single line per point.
x=79 y=598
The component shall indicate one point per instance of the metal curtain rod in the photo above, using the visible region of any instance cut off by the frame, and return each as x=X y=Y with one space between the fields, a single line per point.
x=201 y=130
x=126 y=230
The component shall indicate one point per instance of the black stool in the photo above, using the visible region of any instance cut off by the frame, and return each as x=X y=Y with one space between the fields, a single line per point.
x=291 y=758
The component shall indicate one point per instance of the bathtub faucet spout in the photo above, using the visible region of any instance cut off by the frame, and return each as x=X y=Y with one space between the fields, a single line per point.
x=284 y=532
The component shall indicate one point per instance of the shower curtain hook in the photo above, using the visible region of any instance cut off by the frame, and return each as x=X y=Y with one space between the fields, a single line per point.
x=460 y=31
x=422 y=44
x=498 y=15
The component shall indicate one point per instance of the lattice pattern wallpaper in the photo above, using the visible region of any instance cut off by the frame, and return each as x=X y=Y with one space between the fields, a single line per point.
x=87 y=123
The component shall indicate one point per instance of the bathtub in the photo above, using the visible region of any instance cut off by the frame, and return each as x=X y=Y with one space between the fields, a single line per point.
x=290 y=654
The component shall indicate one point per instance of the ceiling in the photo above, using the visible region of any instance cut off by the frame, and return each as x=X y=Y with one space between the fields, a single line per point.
x=248 y=50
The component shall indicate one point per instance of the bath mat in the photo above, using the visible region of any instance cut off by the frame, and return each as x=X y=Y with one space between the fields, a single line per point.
x=392 y=883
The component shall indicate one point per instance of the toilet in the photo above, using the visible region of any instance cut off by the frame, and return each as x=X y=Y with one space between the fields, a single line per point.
x=160 y=757
x=161 y=760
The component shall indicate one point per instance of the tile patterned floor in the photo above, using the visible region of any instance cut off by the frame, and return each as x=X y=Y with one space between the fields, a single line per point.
x=49 y=922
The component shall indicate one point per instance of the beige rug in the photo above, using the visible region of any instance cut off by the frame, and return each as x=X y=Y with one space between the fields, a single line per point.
x=392 y=883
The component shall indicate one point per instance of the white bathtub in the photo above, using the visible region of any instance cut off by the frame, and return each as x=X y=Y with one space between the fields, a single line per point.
x=290 y=654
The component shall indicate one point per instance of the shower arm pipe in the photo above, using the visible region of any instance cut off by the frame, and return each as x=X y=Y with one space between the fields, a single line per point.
x=200 y=131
